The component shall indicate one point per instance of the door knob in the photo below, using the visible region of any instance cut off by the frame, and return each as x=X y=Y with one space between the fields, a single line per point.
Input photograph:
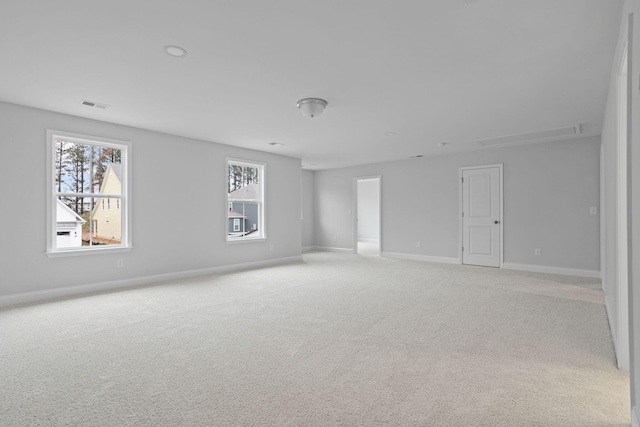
x=496 y=222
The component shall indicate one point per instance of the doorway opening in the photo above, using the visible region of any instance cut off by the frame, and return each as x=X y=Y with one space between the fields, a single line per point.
x=367 y=240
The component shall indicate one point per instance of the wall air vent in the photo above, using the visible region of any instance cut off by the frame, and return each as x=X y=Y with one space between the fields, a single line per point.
x=538 y=136
x=95 y=104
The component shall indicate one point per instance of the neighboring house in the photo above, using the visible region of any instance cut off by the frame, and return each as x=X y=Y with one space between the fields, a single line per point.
x=243 y=215
x=68 y=227
x=107 y=213
x=237 y=223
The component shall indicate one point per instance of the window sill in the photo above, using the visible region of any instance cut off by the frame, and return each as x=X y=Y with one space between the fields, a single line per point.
x=246 y=240
x=82 y=252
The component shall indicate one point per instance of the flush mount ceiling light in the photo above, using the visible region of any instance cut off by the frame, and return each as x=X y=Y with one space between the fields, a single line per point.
x=276 y=144
x=311 y=107
x=390 y=134
x=175 y=51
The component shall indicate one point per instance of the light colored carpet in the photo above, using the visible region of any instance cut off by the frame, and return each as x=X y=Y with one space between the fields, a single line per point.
x=338 y=340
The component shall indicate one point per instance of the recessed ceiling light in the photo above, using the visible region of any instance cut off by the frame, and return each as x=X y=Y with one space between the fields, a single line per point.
x=276 y=144
x=175 y=51
x=416 y=157
x=390 y=134
x=442 y=144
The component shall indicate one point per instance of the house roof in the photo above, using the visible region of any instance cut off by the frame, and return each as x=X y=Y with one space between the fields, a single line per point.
x=65 y=214
x=250 y=192
x=233 y=214
x=117 y=170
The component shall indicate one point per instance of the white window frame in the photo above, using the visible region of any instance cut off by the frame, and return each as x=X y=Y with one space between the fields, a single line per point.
x=262 y=229
x=52 y=196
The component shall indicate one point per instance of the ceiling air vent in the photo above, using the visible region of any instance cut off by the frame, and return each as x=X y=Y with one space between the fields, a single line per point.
x=538 y=136
x=95 y=104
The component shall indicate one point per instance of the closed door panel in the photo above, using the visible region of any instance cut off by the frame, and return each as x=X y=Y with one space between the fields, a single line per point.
x=480 y=241
x=481 y=216
x=480 y=196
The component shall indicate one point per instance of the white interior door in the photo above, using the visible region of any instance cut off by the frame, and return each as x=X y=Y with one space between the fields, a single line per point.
x=481 y=216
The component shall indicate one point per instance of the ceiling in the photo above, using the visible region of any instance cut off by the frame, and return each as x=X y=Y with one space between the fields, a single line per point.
x=452 y=71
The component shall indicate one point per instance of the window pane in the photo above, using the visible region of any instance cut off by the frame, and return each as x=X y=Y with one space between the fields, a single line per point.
x=106 y=222
x=244 y=183
x=106 y=170
x=94 y=226
x=72 y=167
x=82 y=168
x=243 y=219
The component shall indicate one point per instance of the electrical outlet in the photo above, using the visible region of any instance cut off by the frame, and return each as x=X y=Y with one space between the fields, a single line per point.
x=593 y=210
x=120 y=263
x=335 y=239
x=418 y=244
x=537 y=252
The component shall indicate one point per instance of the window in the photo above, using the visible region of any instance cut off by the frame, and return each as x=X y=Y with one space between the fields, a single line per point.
x=84 y=176
x=245 y=189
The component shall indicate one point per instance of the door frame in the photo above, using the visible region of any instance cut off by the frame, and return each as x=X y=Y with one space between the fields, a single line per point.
x=355 y=210
x=460 y=188
x=623 y=208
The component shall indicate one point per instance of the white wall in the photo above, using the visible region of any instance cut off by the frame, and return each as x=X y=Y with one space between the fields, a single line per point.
x=608 y=139
x=176 y=181
x=368 y=207
x=609 y=199
x=634 y=247
x=308 y=209
x=631 y=8
x=548 y=190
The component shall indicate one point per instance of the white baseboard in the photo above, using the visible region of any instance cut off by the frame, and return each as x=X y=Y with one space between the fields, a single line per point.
x=362 y=239
x=635 y=422
x=70 y=291
x=413 y=257
x=552 y=270
x=330 y=249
